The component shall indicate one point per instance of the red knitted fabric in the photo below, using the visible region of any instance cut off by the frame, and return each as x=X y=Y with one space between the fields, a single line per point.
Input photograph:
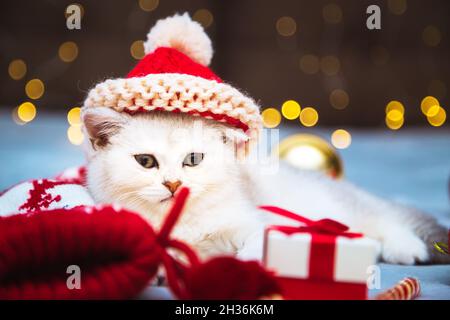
x=169 y=60
x=116 y=252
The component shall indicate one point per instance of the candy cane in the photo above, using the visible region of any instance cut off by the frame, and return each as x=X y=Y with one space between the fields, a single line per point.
x=407 y=289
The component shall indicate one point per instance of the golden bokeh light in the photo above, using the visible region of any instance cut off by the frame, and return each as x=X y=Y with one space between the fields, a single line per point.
x=204 y=17
x=74 y=116
x=26 y=112
x=75 y=135
x=436 y=118
x=137 y=49
x=34 y=89
x=339 y=99
x=395 y=106
x=341 y=139
x=68 y=51
x=286 y=26
x=379 y=55
x=291 y=109
x=17 y=69
x=394 y=115
x=330 y=65
x=394 y=125
x=309 y=117
x=271 y=117
x=427 y=103
x=397 y=7
x=148 y=5
x=431 y=36
x=332 y=13
x=309 y=64
x=437 y=88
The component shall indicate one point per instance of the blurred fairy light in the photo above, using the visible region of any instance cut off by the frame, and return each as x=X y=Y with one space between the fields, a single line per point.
x=75 y=135
x=332 y=13
x=26 y=112
x=286 y=26
x=339 y=99
x=291 y=109
x=395 y=106
x=395 y=112
x=397 y=7
x=204 y=17
x=379 y=55
x=427 y=103
x=34 y=89
x=68 y=51
x=17 y=69
x=73 y=116
x=437 y=88
x=436 y=116
x=309 y=64
x=148 y=5
x=330 y=65
x=341 y=139
x=309 y=117
x=137 y=49
x=431 y=36
x=271 y=117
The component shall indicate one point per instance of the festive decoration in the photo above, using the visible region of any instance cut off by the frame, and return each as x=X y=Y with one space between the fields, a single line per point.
x=318 y=259
x=116 y=252
x=309 y=152
x=441 y=247
x=407 y=289
x=174 y=77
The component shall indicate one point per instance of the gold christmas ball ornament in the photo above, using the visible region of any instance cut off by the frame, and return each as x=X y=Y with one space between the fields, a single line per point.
x=310 y=152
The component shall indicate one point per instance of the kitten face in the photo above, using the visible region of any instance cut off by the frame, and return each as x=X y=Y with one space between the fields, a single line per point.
x=148 y=157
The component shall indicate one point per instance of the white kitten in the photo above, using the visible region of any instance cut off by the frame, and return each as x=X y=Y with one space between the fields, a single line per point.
x=139 y=161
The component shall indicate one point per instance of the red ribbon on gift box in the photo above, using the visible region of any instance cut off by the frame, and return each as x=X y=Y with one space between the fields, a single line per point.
x=323 y=240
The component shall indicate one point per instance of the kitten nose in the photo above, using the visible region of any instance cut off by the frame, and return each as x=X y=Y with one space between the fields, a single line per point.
x=172 y=185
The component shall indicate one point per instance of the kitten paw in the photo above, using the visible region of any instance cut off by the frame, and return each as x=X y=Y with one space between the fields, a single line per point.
x=404 y=248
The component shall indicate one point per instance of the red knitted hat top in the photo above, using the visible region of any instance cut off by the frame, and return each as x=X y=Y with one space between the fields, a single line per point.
x=174 y=77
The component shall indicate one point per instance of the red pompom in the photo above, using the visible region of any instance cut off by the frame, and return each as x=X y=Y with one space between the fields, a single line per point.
x=226 y=278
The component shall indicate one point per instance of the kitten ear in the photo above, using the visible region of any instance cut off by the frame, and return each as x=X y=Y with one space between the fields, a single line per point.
x=101 y=123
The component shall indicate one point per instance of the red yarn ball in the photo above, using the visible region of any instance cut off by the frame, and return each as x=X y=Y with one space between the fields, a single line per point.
x=227 y=278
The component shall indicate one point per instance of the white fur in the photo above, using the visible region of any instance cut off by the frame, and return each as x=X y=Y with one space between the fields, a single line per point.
x=182 y=33
x=221 y=215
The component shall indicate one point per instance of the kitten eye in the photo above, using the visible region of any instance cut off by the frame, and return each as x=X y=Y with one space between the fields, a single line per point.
x=146 y=160
x=193 y=159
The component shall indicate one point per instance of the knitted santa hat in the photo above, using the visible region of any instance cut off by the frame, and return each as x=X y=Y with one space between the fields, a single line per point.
x=174 y=77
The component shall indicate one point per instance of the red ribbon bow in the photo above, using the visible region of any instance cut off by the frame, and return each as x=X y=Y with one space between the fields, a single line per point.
x=323 y=241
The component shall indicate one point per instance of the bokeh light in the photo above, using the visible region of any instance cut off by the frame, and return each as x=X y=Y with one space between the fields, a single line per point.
x=427 y=103
x=75 y=135
x=286 y=26
x=332 y=13
x=17 y=69
x=341 y=139
x=309 y=64
x=431 y=36
x=339 y=99
x=148 y=5
x=34 y=89
x=394 y=125
x=74 y=116
x=271 y=117
x=291 y=109
x=397 y=7
x=26 y=112
x=395 y=106
x=68 y=51
x=309 y=117
x=437 y=117
x=330 y=65
x=204 y=17
x=137 y=49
